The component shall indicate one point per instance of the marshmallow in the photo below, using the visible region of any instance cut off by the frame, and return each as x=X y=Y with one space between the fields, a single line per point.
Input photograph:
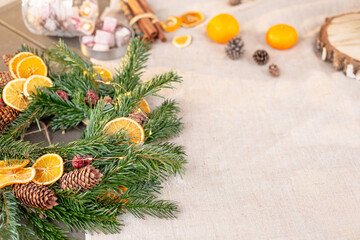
x=104 y=37
x=110 y=24
x=87 y=39
x=122 y=36
x=101 y=47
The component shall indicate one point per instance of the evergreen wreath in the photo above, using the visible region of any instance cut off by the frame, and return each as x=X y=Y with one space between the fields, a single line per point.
x=138 y=170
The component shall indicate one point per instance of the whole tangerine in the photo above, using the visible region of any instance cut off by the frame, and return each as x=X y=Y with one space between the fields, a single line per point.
x=222 y=28
x=281 y=36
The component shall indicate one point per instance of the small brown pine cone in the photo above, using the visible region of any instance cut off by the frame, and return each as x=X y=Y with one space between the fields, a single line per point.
x=274 y=70
x=7 y=115
x=5 y=77
x=138 y=116
x=35 y=195
x=6 y=58
x=84 y=178
x=261 y=57
x=234 y=2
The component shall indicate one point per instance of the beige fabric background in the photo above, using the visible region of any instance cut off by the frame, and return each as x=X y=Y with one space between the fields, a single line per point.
x=269 y=158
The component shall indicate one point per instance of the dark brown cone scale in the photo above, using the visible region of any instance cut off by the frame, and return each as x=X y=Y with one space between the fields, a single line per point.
x=7 y=115
x=35 y=195
x=5 y=77
x=84 y=178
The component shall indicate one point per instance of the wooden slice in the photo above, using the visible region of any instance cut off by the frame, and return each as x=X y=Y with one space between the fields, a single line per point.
x=339 y=43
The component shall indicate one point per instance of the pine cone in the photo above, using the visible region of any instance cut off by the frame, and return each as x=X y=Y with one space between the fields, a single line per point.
x=234 y=2
x=274 y=70
x=261 y=57
x=7 y=115
x=138 y=116
x=84 y=178
x=235 y=48
x=5 y=77
x=6 y=58
x=35 y=195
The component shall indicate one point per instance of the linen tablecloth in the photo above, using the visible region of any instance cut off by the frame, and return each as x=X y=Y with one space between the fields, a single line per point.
x=269 y=158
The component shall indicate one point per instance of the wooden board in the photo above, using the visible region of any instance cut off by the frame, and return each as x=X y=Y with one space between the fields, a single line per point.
x=339 y=43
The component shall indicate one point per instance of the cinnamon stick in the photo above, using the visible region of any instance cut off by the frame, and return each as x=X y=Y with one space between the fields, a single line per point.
x=128 y=14
x=148 y=9
x=144 y=23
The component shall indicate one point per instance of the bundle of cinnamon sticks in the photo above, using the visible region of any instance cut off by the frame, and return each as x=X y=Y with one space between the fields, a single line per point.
x=142 y=19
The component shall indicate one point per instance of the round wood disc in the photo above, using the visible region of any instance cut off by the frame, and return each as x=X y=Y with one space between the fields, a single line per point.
x=339 y=43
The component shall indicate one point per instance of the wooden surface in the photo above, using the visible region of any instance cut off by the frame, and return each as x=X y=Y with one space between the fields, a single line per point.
x=14 y=33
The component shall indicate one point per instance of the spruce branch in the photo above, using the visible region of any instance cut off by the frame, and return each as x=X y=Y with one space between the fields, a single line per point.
x=140 y=206
x=10 y=216
x=43 y=227
x=90 y=218
x=163 y=157
x=126 y=103
x=133 y=64
x=163 y=122
x=63 y=55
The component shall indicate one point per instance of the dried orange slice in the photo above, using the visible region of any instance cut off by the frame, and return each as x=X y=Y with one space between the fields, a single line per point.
x=144 y=106
x=13 y=94
x=115 y=197
x=32 y=65
x=104 y=72
x=22 y=175
x=171 y=24
x=34 y=82
x=13 y=63
x=191 y=19
x=134 y=130
x=12 y=165
x=49 y=168
x=182 y=41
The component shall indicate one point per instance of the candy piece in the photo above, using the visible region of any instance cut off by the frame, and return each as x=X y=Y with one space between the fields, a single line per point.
x=75 y=21
x=86 y=27
x=101 y=47
x=89 y=9
x=104 y=37
x=122 y=36
x=50 y=25
x=87 y=39
x=110 y=24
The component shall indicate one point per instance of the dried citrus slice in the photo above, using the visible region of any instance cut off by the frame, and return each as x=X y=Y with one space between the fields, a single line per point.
x=191 y=19
x=135 y=131
x=144 y=106
x=34 y=82
x=182 y=41
x=171 y=24
x=13 y=63
x=32 y=65
x=104 y=72
x=49 y=168
x=22 y=175
x=12 y=165
x=116 y=197
x=13 y=94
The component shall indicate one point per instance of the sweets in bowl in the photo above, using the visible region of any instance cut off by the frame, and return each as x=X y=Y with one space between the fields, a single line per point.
x=108 y=40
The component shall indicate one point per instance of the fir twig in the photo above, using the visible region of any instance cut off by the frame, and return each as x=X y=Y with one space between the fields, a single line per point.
x=163 y=122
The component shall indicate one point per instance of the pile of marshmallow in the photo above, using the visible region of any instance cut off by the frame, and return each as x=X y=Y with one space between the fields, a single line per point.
x=60 y=17
x=108 y=34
